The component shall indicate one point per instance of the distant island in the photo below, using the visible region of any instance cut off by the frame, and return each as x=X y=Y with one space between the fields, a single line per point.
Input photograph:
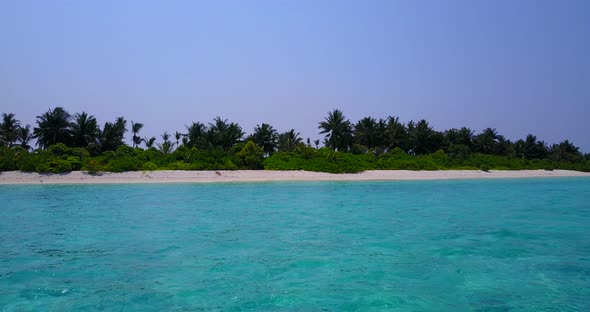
x=67 y=143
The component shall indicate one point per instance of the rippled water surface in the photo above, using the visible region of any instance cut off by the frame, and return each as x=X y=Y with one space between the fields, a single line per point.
x=493 y=245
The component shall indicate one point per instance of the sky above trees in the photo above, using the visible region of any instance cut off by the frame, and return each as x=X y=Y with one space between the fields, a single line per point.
x=518 y=66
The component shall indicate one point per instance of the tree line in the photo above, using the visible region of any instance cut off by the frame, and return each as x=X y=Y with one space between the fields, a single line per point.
x=369 y=139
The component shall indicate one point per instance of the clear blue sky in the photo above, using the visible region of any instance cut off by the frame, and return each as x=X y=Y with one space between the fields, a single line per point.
x=519 y=66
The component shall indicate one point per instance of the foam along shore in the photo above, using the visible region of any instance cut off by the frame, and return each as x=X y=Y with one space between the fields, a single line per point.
x=178 y=176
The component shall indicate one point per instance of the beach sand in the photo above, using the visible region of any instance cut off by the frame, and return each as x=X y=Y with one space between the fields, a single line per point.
x=178 y=176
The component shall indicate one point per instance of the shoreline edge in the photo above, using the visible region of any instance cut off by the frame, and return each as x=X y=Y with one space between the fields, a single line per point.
x=181 y=176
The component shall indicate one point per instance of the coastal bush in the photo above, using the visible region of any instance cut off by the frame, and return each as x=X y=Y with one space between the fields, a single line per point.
x=63 y=166
x=228 y=164
x=439 y=159
x=358 y=149
x=485 y=168
x=585 y=167
x=94 y=149
x=7 y=162
x=79 y=152
x=179 y=165
x=58 y=149
x=459 y=152
x=493 y=161
x=27 y=164
x=323 y=160
x=93 y=166
x=60 y=158
x=75 y=162
x=125 y=151
x=55 y=165
x=464 y=168
x=123 y=164
x=350 y=147
x=149 y=166
x=108 y=156
x=399 y=160
x=308 y=152
x=250 y=156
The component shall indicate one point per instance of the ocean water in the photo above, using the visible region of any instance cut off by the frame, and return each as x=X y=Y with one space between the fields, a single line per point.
x=472 y=245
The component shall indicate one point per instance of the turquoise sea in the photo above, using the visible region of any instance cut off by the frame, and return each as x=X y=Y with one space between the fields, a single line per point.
x=471 y=245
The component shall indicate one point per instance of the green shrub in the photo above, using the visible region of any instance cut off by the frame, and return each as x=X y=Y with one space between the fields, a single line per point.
x=75 y=162
x=228 y=164
x=123 y=164
x=125 y=151
x=108 y=156
x=358 y=149
x=27 y=164
x=64 y=166
x=7 y=162
x=79 y=152
x=324 y=160
x=60 y=158
x=484 y=168
x=464 y=168
x=55 y=165
x=93 y=167
x=179 y=165
x=459 y=152
x=149 y=166
x=58 y=149
x=308 y=152
x=251 y=156
x=94 y=149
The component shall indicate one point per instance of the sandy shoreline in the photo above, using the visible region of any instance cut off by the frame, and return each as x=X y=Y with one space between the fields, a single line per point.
x=177 y=176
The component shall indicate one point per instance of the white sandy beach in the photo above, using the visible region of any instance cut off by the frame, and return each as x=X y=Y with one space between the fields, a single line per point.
x=177 y=176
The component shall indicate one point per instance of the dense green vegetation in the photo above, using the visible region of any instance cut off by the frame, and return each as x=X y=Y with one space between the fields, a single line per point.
x=65 y=143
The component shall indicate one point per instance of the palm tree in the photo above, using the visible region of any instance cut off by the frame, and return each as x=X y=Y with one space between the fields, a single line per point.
x=112 y=134
x=337 y=129
x=504 y=146
x=288 y=141
x=53 y=127
x=9 y=130
x=265 y=136
x=423 y=139
x=395 y=134
x=451 y=137
x=465 y=137
x=166 y=146
x=216 y=132
x=380 y=133
x=135 y=128
x=177 y=136
x=518 y=149
x=149 y=143
x=85 y=130
x=197 y=135
x=366 y=132
x=223 y=134
x=458 y=140
x=565 y=151
x=533 y=149
x=24 y=136
x=121 y=125
x=233 y=135
x=487 y=141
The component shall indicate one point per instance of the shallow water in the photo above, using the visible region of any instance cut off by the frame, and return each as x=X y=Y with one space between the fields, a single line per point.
x=477 y=245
